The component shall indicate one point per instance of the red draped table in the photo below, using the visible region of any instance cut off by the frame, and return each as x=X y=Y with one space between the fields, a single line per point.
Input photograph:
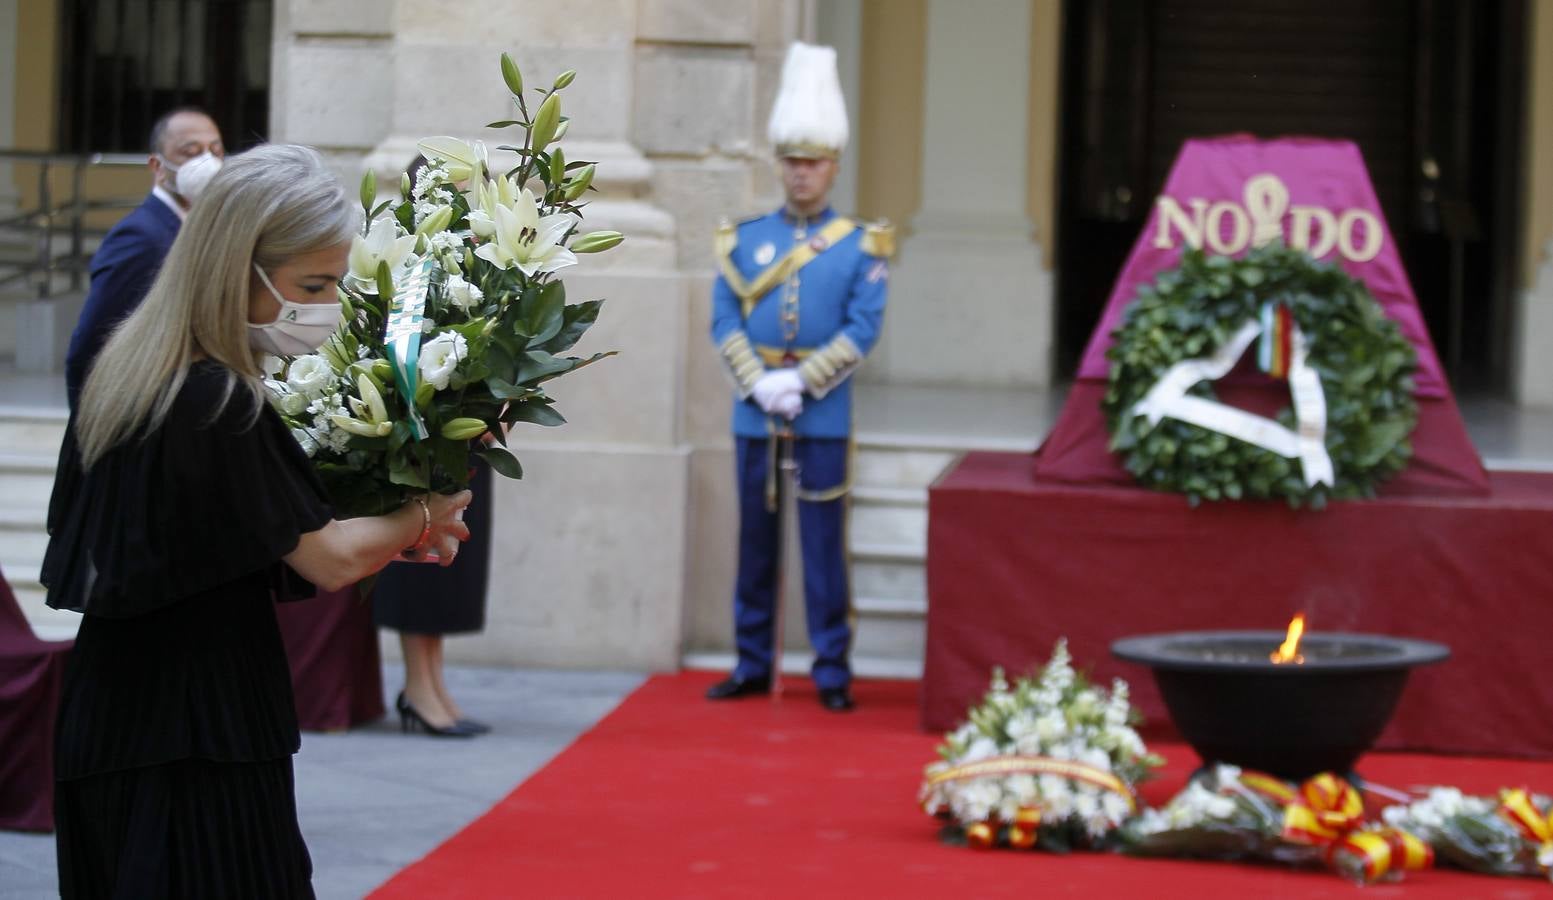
x=336 y=673
x=1016 y=561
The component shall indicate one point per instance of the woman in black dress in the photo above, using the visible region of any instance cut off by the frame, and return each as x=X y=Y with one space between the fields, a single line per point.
x=182 y=509
x=425 y=603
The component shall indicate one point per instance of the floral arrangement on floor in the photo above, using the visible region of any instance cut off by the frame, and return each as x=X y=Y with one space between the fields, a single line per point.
x=453 y=318
x=1511 y=834
x=1049 y=762
x=1226 y=813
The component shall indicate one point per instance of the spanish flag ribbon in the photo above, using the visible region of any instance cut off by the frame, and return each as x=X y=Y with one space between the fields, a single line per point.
x=1517 y=806
x=1324 y=809
x=1038 y=765
x=1268 y=786
x=1370 y=855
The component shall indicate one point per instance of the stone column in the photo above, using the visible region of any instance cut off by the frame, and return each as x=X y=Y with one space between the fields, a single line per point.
x=970 y=303
x=1534 y=328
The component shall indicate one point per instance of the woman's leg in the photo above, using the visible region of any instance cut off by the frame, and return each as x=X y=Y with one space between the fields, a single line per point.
x=439 y=683
x=422 y=674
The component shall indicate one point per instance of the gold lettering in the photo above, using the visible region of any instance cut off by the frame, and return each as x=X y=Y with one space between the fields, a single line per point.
x=1300 y=230
x=1373 y=235
x=1171 y=213
x=1239 y=222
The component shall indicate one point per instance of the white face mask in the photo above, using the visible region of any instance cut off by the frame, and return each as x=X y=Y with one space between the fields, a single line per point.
x=190 y=179
x=299 y=328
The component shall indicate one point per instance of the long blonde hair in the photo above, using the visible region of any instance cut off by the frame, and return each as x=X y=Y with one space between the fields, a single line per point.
x=267 y=206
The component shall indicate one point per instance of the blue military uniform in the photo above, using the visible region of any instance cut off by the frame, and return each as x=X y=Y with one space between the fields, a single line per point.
x=809 y=294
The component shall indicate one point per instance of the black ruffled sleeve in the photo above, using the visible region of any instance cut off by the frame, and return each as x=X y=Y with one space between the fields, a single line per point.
x=218 y=494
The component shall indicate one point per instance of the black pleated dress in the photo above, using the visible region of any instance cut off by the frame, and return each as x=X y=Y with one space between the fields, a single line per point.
x=176 y=725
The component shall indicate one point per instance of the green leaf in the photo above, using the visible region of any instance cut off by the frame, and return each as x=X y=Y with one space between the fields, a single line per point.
x=503 y=390
x=501 y=461
x=538 y=365
x=504 y=123
x=577 y=318
x=537 y=412
x=546 y=315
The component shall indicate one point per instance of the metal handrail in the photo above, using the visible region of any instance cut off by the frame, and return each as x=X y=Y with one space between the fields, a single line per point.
x=43 y=220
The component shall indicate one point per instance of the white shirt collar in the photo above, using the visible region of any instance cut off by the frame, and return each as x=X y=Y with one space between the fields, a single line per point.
x=165 y=196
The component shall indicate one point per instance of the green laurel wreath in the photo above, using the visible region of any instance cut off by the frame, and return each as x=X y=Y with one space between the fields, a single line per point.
x=1364 y=362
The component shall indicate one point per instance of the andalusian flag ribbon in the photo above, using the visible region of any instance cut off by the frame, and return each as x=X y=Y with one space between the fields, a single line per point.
x=405 y=315
x=1275 y=351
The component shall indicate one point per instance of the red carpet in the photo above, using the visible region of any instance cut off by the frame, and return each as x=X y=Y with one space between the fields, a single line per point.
x=673 y=796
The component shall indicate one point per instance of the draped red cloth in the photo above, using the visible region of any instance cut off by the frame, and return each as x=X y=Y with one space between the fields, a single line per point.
x=336 y=671
x=31 y=671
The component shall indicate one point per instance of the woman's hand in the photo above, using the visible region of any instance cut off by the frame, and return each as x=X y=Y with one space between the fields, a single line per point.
x=447 y=529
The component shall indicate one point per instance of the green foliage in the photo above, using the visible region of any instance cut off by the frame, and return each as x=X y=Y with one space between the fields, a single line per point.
x=1364 y=362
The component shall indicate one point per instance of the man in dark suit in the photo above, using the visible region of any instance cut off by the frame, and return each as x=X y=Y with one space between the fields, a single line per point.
x=186 y=150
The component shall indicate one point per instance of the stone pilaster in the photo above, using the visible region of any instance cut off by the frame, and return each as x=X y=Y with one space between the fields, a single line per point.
x=969 y=274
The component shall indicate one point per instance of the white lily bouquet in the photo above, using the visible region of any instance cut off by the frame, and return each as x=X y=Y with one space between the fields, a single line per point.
x=1049 y=762
x=1511 y=834
x=453 y=320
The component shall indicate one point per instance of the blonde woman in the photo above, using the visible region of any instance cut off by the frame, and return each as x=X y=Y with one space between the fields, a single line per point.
x=181 y=509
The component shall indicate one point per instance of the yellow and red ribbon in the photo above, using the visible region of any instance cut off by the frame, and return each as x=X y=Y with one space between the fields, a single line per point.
x=1536 y=826
x=1327 y=811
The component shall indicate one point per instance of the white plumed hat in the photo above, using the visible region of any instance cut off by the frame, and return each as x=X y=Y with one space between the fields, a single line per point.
x=809 y=118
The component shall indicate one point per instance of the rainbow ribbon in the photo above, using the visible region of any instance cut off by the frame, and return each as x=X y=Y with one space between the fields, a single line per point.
x=1276 y=347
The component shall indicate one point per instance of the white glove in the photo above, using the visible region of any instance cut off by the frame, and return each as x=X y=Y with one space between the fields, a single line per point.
x=788 y=406
x=770 y=387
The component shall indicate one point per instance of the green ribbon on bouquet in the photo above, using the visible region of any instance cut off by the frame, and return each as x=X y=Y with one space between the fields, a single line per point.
x=403 y=337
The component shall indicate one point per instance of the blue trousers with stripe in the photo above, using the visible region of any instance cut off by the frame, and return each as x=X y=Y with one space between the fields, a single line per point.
x=822 y=464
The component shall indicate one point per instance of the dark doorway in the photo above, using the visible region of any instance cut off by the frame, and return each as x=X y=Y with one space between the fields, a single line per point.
x=1430 y=90
x=125 y=62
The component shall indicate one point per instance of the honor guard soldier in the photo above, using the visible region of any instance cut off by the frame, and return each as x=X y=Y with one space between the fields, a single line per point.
x=796 y=307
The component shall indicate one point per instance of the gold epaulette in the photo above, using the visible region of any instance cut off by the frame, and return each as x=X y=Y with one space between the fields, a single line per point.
x=879 y=239
x=726 y=239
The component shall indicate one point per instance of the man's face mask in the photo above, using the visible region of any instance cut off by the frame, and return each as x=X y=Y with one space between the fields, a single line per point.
x=299 y=328
x=189 y=180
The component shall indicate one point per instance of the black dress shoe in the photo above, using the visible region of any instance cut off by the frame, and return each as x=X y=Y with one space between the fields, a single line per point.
x=836 y=699
x=412 y=722
x=473 y=726
x=734 y=687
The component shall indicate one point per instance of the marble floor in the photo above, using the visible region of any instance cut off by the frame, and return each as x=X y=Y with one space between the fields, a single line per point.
x=371 y=800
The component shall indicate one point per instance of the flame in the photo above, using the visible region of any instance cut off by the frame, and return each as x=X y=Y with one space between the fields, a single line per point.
x=1289 y=650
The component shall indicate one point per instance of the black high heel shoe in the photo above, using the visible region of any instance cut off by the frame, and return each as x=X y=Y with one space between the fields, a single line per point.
x=412 y=722
x=473 y=726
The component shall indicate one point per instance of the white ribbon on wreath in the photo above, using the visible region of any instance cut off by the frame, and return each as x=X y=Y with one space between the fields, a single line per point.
x=1168 y=398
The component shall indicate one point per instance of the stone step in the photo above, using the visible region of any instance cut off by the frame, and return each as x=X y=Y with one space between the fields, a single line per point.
x=889 y=496
x=22 y=546
x=26 y=483
x=49 y=624
x=904 y=525
x=890 y=552
x=888 y=579
x=889 y=607
x=32 y=433
x=898 y=467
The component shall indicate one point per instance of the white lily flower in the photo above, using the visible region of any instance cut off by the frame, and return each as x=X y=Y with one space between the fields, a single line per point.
x=461 y=159
x=382 y=243
x=488 y=195
x=527 y=241
x=462 y=294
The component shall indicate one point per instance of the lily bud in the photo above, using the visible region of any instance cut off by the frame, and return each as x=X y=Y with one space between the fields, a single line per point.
x=404 y=185
x=560 y=130
x=437 y=221
x=368 y=189
x=382 y=371
x=463 y=429
x=557 y=166
x=511 y=75
x=542 y=132
x=385 y=283
x=596 y=241
x=563 y=79
x=423 y=394
x=580 y=182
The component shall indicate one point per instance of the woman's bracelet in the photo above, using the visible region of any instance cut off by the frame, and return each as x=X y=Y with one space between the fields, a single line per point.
x=425 y=524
